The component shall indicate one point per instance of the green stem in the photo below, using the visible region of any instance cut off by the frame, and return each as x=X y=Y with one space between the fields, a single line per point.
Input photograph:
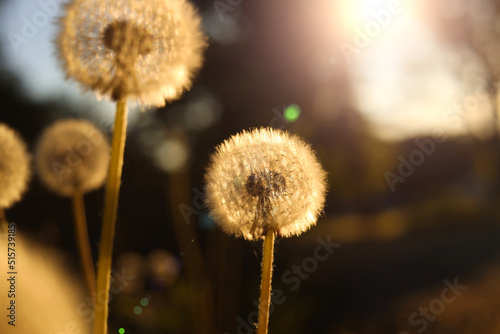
x=82 y=238
x=265 y=286
x=109 y=219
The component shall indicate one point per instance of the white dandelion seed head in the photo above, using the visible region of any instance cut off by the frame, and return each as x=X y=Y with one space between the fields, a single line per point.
x=264 y=180
x=15 y=169
x=145 y=51
x=72 y=155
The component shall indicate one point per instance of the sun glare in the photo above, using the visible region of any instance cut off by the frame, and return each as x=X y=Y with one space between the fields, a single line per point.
x=376 y=16
x=355 y=12
x=397 y=66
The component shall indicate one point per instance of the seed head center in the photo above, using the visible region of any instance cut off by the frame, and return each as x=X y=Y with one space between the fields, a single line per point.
x=126 y=38
x=265 y=184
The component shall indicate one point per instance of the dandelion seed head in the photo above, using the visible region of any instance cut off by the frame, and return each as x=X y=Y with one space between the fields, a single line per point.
x=147 y=51
x=72 y=155
x=265 y=179
x=15 y=169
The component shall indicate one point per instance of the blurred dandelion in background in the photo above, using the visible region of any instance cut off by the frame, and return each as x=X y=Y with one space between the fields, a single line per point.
x=14 y=167
x=72 y=155
x=72 y=158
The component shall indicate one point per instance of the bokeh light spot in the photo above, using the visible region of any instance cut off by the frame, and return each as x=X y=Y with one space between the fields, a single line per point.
x=144 y=302
x=206 y=222
x=292 y=113
x=137 y=310
x=121 y=330
x=171 y=155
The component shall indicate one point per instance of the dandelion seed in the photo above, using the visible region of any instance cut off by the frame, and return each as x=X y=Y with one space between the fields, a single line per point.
x=14 y=167
x=130 y=49
x=265 y=180
x=72 y=155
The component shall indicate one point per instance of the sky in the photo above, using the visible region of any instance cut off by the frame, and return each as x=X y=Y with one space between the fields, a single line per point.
x=28 y=29
x=404 y=79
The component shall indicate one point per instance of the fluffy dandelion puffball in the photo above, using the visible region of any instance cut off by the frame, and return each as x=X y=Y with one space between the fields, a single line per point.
x=72 y=155
x=265 y=180
x=14 y=167
x=139 y=50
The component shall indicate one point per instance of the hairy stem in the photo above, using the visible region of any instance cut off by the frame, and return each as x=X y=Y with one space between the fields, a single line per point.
x=82 y=238
x=109 y=219
x=265 y=285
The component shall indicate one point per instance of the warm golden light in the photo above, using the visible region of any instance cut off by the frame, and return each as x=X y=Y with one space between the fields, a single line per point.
x=374 y=17
x=356 y=12
x=398 y=65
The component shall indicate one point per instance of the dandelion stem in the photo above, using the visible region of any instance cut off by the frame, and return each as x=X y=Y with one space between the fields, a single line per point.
x=265 y=286
x=109 y=219
x=82 y=238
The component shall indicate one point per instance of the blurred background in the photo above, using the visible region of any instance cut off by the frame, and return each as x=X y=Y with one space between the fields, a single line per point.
x=399 y=98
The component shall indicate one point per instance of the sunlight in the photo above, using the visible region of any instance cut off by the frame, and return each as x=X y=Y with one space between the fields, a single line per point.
x=355 y=12
x=374 y=17
x=397 y=66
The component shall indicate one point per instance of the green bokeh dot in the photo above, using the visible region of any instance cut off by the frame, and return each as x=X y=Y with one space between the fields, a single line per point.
x=292 y=113
x=121 y=330
x=144 y=302
x=137 y=310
